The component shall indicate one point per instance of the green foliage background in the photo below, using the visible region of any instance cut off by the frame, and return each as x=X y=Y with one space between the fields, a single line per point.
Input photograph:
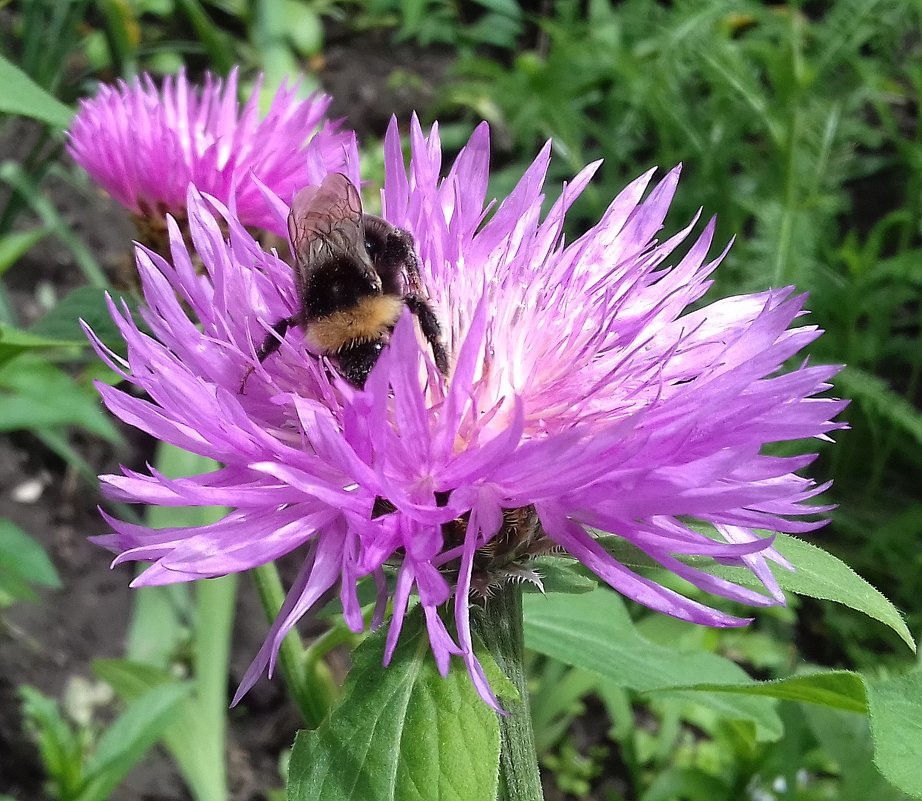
x=798 y=124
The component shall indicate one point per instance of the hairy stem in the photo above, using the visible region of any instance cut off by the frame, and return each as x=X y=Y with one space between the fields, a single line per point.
x=499 y=626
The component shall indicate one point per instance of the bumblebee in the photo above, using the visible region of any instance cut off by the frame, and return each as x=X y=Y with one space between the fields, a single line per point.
x=354 y=274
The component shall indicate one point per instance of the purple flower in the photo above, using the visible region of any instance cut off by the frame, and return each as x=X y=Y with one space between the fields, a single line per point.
x=583 y=397
x=144 y=146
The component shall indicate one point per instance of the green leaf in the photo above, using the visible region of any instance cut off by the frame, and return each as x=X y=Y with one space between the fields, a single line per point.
x=13 y=341
x=14 y=588
x=214 y=622
x=196 y=738
x=159 y=626
x=217 y=43
x=56 y=440
x=840 y=689
x=593 y=632
x=61 y=748
x=413 y=13
x=129 y=679
x=847 y=739
x=39 y=394
x=821 y=575
x=903 y=268
x=190 y=737
x=121 y=26
x=15 y=244
x=305 y=28
x=877 y=398
x=161 y=614
x=895 y=707
x=497 y=29
x=270 y=34
x=129 y=737
x=555 y=694
x=499 y=682
x=87 y=303
x=559 y=574
x=818 y=574
x=27 y=185
x=21 y=95
x=509 y=8
x=686 y=783
x=24 y=558
x=400 y=733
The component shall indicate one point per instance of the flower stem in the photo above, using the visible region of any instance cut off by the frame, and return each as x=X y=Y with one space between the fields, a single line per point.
x=499 y=626
x=215 y=606
x=309 y=682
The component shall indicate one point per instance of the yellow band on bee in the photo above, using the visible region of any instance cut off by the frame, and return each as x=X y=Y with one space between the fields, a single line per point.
x=368 y=320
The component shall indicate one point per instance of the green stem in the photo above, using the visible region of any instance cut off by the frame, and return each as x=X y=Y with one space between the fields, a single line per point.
x=215 y=605
x=309 y=682
x=339 y=634
x=499 y=626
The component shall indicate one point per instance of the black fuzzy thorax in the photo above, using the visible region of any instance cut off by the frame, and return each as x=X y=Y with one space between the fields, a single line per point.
x=339 y=284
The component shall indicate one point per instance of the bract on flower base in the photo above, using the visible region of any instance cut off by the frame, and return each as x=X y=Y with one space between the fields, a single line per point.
x=144 y=146
x=582 y=396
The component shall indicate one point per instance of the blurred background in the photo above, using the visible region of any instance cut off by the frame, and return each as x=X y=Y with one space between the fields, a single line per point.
x=798 y=125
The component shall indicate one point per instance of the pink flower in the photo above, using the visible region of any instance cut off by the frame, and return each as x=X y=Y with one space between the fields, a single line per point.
x=583 y=397
x=145 y=146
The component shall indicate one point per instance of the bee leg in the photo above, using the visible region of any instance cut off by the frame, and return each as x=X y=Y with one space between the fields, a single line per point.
x=271 y=344
x=431 y=329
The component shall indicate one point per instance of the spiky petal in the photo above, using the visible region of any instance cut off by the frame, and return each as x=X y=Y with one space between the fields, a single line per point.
x=583 y=394
x=145 y=145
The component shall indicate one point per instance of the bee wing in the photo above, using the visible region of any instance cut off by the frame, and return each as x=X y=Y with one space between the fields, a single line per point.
x=323 y=220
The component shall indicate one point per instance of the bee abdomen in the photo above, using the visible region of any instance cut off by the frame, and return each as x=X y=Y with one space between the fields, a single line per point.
x=367 y=321
x=357 y=359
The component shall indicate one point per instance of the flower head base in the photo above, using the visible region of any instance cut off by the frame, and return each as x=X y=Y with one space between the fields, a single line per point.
x=582 y=397
x=144 y=146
